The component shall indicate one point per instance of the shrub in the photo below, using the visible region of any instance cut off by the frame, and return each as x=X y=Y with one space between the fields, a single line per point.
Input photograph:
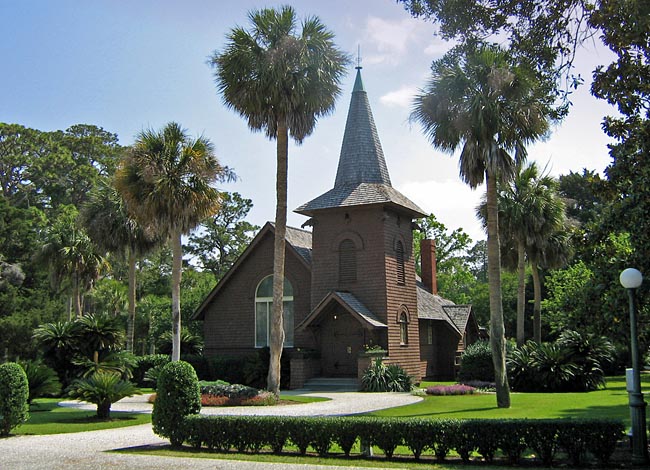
x=103 y=388
x=224 y=389
x=450 y=390
x=511 y=437
x=592 y=354
x=178 y=395
x=42 y=380
x=476 y=363
x=144 y=364
x=379 y=377
x=14 y=390
x=573 y=363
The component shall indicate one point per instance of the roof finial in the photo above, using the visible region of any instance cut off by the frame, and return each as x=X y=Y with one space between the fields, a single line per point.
x=358 y=67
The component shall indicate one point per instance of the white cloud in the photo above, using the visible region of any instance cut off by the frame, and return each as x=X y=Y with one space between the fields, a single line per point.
x=390 y=38
x=401 y=98
x=451 y=201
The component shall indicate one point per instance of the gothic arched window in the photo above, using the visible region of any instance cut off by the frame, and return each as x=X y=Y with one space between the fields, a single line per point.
x=263 y=309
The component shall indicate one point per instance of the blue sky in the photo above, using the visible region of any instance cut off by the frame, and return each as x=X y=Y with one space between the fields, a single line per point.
x=129 y=65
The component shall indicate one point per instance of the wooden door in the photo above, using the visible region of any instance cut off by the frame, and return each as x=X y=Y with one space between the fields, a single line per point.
x=342 y=341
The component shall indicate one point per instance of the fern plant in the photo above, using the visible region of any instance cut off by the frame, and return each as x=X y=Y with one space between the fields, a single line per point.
x=103 y=388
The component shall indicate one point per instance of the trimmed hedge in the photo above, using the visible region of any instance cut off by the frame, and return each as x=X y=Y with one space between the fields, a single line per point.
x=177 y=395
x=577 y=438
x=14 y=392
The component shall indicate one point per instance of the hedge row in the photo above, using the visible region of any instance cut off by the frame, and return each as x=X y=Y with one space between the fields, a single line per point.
x=577 y=438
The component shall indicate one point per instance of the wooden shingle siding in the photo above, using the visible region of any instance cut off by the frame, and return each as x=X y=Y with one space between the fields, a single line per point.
x=230 y=318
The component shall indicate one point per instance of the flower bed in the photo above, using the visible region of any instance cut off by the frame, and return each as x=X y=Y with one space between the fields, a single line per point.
x=457 y=389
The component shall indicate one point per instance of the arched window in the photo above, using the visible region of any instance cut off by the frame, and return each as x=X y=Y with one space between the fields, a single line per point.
x=403 y=329
x=347 y=261
x=399 y=255
x=263 y=309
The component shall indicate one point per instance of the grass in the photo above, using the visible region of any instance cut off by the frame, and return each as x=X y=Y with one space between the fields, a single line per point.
x=302 y=398
x=307 y=461
x=609 y=403
x=47 y=417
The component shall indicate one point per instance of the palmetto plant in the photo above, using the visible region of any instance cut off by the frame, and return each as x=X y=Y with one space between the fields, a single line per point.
x=42 y=380
x=281 y=81
x=166 y=180
x=71 y=255
x=111 y=227
x=489 y=107
x=102 y=389
x=532 y=227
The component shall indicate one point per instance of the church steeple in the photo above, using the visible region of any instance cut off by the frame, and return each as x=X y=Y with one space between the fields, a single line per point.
x=362 y=177
x=362 y=158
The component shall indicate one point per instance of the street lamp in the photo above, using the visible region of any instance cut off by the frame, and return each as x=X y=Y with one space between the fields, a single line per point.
x=631 y=279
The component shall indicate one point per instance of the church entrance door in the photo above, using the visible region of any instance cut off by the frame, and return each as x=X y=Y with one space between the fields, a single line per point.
x=342 y=341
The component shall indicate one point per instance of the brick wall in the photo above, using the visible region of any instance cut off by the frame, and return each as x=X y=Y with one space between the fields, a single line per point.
x=229 y=324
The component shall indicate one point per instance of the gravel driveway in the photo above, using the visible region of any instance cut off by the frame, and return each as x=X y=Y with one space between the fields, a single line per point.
x=88 y=450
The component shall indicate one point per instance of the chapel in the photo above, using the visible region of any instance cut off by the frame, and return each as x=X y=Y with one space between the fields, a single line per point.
x=350 y=282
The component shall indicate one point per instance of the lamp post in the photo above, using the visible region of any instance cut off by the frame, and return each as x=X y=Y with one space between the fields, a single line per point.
x=631 y=279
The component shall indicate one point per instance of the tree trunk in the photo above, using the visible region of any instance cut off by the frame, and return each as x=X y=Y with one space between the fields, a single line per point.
x=130 y=329
x=497 y=336
x=277 y=327
x=104 y=410
x=76 y=295
x=537 y=309
x=177 y=266
x=521 y=292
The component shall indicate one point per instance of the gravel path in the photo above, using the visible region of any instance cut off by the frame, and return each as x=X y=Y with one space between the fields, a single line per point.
x=339 y=404
x=88 y=450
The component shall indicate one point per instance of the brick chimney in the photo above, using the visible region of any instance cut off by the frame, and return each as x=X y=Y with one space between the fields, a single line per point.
x=428 y=265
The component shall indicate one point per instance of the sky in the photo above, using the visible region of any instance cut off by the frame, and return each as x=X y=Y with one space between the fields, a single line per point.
x=129 y=65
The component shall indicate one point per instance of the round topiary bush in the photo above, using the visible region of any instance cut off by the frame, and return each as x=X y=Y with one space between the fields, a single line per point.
x=14 y=392
x=177 y=395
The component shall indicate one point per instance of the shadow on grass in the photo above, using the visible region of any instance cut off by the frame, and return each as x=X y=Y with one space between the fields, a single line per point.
x=428 y=414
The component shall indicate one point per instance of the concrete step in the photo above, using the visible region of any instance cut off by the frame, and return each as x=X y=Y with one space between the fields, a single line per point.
x=332 y=384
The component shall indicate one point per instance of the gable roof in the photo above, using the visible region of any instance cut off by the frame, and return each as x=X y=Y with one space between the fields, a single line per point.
x=459 y=314
x=362 y=176
x=298 y=241
x=351 y=304
x=432 y=307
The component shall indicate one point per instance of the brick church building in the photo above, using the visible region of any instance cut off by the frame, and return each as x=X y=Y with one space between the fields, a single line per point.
x=350 y=282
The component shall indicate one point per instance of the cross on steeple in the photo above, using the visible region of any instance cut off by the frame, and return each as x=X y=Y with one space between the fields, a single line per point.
x=358 y=67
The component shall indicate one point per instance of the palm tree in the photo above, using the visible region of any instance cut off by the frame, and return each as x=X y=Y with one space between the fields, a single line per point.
x=483 y=103
x=528 y=216
x=112 y=228
x=165 y=180
x=281 y=82
x=550 y=249
x=70 y=253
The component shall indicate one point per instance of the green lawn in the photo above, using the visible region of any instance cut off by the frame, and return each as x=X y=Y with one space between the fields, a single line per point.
x=611 y=402
x=46 y=417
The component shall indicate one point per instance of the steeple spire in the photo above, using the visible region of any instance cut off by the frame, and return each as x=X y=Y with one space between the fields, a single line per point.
x=362 y=158
x=362 y=176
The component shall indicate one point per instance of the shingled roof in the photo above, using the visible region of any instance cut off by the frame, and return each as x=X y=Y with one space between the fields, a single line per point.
x=362 y=177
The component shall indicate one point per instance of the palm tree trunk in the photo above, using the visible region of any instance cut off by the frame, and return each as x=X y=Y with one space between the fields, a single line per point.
x=521 y=292
x=497 y=335
x=177 y=259
x=537 y=309
x=76 y=295
x=277 y=327
x=130 y=329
